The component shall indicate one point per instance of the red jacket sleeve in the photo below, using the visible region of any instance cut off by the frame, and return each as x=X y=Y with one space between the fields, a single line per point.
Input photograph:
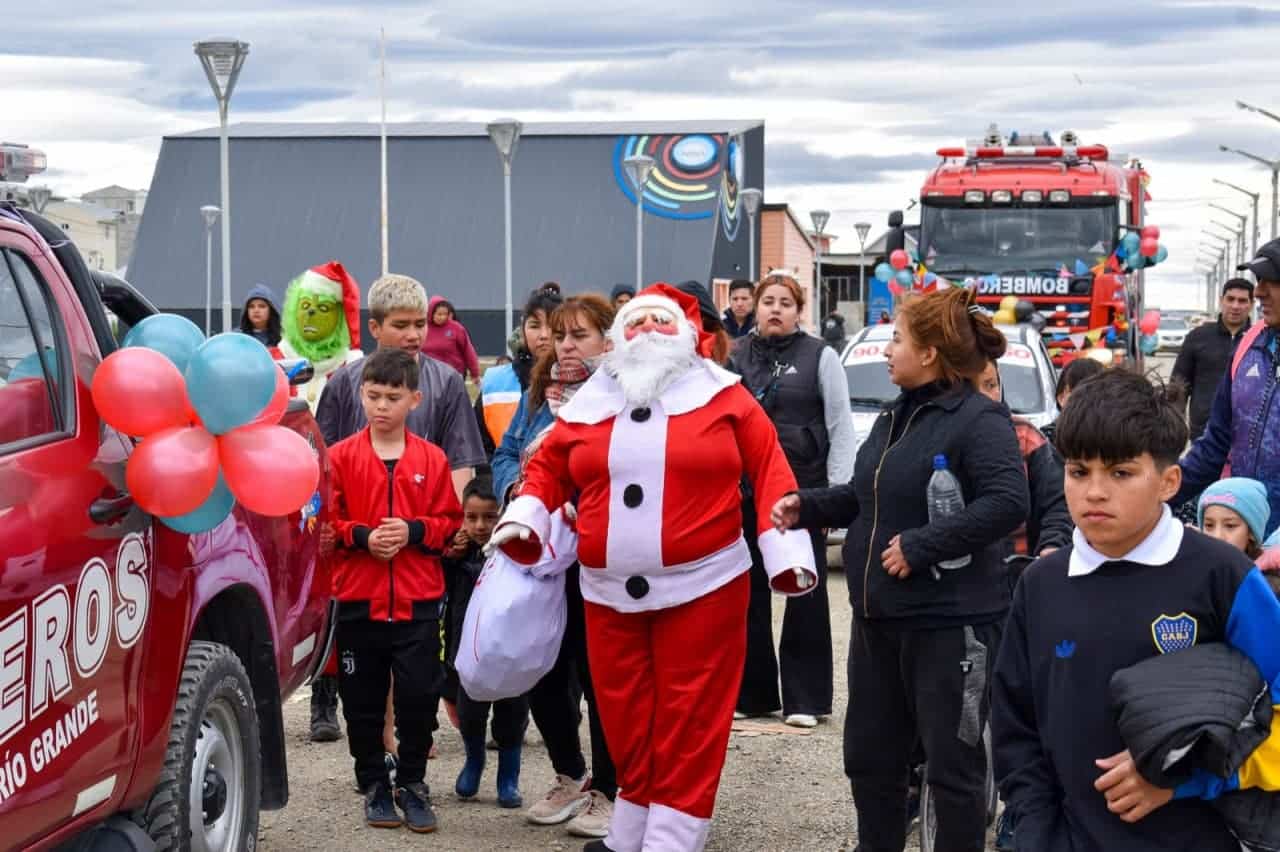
x=343 y=525
x=442 y=515
x=546 y=488
x=469 y=356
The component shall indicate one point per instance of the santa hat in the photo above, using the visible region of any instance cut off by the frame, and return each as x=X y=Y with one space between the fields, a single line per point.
x=332 y=279
x=663 y=295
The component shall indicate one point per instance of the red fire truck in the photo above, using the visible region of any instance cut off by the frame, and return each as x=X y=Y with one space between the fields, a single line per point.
x=1037 y=219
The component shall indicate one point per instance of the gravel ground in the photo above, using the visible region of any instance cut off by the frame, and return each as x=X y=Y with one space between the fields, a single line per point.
x=778 y=791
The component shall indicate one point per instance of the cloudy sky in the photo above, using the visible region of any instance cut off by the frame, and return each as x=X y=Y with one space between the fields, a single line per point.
x=855 y=96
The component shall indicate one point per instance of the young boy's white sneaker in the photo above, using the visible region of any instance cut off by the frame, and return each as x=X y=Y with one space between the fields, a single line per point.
x=563 y=801
x=593 y=820
x=801 y=720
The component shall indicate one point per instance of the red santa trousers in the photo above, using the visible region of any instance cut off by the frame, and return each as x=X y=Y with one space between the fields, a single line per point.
x=666 y=683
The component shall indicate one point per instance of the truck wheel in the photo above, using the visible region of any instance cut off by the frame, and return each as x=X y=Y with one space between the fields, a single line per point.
x=207 y=797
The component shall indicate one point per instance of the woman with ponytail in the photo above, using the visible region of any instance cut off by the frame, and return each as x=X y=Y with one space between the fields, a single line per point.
x=924 y=630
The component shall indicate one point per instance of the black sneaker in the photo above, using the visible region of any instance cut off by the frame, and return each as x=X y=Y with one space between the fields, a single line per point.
x=415 y=801
x=379 y=810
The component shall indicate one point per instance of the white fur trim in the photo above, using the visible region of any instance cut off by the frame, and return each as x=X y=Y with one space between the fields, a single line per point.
x=784 y=551
x=601 y=397
x=670 y=830
x=530 y=512
x=648 y=300
x=314 y=282
x=669 y=585
x=637 y=460
x=626 y=828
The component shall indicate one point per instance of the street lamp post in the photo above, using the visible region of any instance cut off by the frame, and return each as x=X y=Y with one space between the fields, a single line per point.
x=505 y=133
x=210 y=214
x=222 y=60
x=1274 y=166
x=1254 y=197
x=862 y=229
x=819 y=218
x=1232 y=234
x=750 y=198
x=1243 y=218
x=638 y=168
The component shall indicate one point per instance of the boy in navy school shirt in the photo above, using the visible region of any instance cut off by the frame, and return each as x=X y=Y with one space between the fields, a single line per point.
x=1134 y=583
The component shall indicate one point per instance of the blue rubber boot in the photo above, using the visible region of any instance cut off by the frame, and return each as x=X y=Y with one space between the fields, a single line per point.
x=468 y=783
x=509 y=778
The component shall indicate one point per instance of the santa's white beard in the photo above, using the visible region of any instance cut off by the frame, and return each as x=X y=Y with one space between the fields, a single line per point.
x=648 y=363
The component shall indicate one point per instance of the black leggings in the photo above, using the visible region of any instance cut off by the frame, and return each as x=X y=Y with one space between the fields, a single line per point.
x=555 y=703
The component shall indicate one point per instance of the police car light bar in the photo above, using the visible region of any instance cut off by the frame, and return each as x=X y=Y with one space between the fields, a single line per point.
x=1056 y=152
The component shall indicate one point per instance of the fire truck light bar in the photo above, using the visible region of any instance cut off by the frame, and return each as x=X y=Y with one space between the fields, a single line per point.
x=1057 y=152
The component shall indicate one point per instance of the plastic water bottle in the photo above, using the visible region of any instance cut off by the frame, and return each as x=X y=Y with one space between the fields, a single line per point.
x=945 y=498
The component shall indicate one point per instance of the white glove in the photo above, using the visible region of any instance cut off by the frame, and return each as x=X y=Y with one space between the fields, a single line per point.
x=803 y=580
x=506 y=533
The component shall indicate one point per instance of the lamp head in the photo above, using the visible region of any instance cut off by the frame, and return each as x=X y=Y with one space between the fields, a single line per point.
x=222 y=59
x=505 y=133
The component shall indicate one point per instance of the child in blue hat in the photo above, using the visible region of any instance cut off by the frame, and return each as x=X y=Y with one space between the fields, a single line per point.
x=1236 y=511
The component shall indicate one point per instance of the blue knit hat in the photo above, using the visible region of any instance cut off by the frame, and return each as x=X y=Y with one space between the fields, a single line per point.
x=1246 y=497
x=263 y=292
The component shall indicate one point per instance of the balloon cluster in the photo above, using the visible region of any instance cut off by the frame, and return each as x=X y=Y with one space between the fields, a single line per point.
x=899 y=275
x=206 y=413
x=1014 y=310
x=1141 y=249
x=1149 y=342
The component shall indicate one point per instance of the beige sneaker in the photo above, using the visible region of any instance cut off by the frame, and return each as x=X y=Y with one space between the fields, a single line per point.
x=565 y=798
x=801 y=720
x=593 y=820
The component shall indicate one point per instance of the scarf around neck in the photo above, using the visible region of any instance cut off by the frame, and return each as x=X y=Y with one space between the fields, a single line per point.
x=566 y=377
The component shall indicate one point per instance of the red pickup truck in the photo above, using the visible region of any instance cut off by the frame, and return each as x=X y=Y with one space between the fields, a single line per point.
x=142 y=671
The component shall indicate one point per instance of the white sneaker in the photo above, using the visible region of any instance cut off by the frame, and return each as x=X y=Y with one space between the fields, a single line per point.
x=565 y=798
x=801 y=720
x=593 y=820
x=738 y=715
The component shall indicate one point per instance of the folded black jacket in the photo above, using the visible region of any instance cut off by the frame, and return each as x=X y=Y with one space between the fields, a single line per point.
x=887 y=498
x=1206 y=708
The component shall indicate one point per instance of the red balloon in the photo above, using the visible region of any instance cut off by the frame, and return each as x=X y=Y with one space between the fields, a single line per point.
x=274 y=409
x=1150 y=322
x=899 y=259
x=1149 y=246
x=1150 y=232
x=271 y=470
x=173 y=471
x=139 y=392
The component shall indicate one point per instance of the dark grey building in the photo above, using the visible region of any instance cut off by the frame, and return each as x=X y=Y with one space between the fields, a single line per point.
x=302 y=194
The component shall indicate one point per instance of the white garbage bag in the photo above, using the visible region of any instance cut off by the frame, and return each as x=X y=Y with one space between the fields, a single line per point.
x=515 y=621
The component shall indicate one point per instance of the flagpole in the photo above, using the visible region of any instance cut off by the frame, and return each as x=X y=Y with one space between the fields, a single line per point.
x=382 y=87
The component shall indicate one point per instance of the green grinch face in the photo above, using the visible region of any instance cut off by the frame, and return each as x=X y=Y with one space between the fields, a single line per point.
x=317 y=317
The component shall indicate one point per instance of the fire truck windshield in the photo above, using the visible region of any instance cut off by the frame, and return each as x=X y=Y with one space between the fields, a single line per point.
x=971 y=240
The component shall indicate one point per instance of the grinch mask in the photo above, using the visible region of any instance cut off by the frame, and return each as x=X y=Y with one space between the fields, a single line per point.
x=317 y=317
x=313 y=322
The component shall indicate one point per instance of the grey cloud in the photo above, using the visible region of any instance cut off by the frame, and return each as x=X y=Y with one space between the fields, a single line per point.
x=791 y=164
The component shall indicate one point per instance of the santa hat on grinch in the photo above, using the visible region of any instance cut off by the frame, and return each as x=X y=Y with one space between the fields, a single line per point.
x=333 y=281
x=683 y=306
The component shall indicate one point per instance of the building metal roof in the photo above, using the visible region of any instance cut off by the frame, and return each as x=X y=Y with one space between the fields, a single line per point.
x=333 y=130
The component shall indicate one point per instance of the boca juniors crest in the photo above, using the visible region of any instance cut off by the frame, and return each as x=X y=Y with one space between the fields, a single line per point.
x=1174 y=632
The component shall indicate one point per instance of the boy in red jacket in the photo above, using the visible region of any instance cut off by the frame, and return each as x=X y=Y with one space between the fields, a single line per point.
x=395 y=511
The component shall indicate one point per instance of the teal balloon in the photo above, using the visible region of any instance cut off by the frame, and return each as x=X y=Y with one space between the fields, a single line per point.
x=884 y=272
x=1162 y=254
x=210 y=513
x=29 y=366
x=904 y=277
x=174 y=337
x=1132 y=242
x=230 y=379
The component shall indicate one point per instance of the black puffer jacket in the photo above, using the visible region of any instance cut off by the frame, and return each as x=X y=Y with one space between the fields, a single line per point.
x=1206 y=708
x=1203 y=360
x=887 y=497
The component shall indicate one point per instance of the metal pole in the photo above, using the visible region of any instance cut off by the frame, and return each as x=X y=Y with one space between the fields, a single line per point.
x=817 y=284
x=639 y=240
x=226 y=219
x=509 y=316
x=1257 y=226
x=208 y=277
x=1275 y=200
x=751 y=247
x=382 y=92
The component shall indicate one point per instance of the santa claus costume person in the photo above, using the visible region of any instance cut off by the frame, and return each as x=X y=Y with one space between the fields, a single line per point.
x=321 y=322
x=653 y=447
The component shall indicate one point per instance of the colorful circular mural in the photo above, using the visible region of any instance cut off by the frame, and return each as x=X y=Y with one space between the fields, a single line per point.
x=683 y=183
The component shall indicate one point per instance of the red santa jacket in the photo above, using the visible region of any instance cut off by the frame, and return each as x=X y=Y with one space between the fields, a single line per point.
x=659 y=505
x=421 y=490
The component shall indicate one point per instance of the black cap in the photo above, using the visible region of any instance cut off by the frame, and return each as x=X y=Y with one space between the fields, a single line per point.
x=1266 y=266
x=706 y=307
